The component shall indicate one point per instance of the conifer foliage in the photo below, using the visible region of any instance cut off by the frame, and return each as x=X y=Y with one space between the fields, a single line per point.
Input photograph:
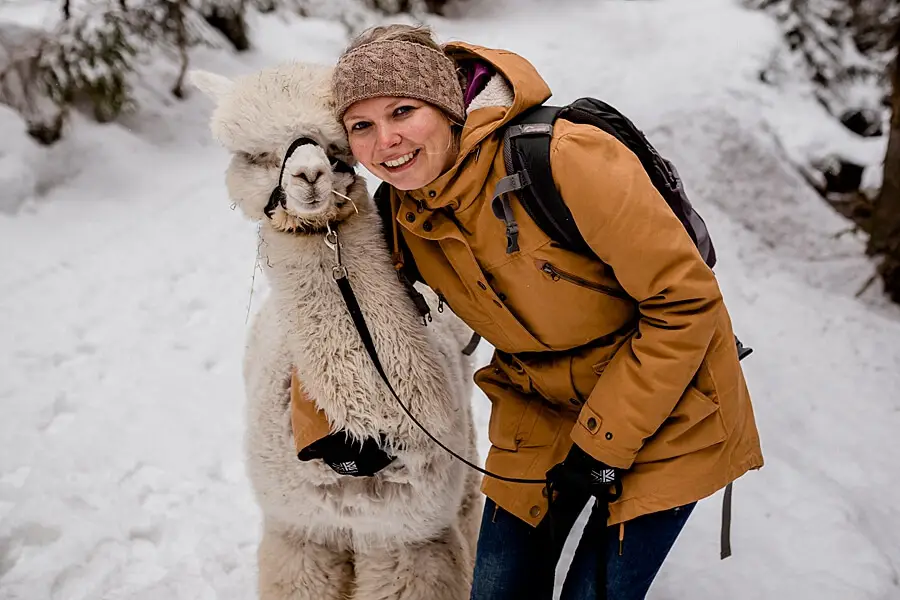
x=89 y=59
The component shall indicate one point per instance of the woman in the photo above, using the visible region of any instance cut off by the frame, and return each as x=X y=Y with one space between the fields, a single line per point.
x=623 y=369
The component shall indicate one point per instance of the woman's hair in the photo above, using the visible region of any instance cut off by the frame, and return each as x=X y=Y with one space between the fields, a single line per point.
x=417 y=34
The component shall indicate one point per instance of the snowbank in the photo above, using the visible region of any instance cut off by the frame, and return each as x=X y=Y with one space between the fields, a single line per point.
x=126 y=285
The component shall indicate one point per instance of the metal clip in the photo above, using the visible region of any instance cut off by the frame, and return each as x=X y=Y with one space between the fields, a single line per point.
x=339 y=271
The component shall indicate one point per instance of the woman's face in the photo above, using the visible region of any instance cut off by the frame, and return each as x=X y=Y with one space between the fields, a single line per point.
x=406 y=142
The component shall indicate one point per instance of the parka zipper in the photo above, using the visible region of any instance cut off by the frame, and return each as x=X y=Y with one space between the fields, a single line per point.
x=441 y=302
x=556 y=274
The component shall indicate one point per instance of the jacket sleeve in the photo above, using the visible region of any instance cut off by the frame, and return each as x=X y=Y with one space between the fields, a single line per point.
x=630 y=227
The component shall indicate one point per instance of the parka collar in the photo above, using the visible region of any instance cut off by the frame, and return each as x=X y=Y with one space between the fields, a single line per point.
x=459 y=187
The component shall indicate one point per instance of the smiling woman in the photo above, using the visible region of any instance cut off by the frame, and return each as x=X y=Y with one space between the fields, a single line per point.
x=404 y=141
x=615 y=372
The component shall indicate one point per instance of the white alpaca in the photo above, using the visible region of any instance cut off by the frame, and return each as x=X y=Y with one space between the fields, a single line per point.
x=409 y=531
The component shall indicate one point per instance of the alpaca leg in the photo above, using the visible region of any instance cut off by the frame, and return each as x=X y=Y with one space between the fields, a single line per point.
x=470 y=513
x=439 y=569
x=291 y=568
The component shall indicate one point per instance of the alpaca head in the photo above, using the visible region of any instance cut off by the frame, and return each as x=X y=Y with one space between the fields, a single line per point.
x=279 y=126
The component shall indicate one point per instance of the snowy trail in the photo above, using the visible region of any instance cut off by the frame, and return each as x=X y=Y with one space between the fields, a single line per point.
x=125 y=293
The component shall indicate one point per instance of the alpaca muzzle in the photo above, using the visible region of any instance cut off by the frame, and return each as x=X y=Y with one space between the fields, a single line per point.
x=278 y=197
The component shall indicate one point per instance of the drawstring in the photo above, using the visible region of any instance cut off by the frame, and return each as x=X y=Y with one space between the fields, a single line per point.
x=397 y=255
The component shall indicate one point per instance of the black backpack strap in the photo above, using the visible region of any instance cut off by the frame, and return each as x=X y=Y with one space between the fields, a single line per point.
x=526 y=153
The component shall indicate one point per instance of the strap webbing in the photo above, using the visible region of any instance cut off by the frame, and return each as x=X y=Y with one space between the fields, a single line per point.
x=473 y=343
x=726 y=522
x=602 y=508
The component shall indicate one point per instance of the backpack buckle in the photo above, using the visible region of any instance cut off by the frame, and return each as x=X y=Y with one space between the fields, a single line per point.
x=514 y=131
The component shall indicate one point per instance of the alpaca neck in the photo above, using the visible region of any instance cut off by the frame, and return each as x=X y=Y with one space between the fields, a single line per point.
x=296 y=263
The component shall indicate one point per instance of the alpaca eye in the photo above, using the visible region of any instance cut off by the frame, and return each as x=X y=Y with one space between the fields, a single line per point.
x=259 y=158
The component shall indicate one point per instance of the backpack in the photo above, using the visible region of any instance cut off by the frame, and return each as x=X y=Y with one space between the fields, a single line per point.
x=526 y=154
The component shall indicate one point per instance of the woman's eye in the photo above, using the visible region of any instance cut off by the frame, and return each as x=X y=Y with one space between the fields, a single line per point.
x=359 y=126
x=403 y=110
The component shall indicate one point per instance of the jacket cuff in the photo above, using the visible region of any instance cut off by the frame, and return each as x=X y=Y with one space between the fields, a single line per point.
x=600 y=442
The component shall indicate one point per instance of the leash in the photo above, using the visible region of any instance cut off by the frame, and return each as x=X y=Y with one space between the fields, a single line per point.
x=339 y=272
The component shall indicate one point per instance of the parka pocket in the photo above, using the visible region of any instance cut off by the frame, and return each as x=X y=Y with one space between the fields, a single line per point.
x=506 y=411
x=557 y=274
x=518 y=419
x=694 y=425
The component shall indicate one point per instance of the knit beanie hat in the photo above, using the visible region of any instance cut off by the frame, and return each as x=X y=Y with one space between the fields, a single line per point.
x=398 y=68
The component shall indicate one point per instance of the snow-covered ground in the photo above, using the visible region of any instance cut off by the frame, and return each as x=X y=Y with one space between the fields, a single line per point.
x=126 y=283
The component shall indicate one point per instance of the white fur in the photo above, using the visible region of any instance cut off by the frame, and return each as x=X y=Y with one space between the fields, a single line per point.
x=409 y=531
x=496 y=92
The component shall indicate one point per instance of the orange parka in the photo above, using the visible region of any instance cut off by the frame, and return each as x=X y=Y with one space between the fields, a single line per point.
x=630 y=354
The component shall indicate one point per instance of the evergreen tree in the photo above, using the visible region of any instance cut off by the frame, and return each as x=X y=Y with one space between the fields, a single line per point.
x=885 y=220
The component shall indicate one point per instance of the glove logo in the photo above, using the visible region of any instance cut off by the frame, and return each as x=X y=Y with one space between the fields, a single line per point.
x=346 y=468
x=603 y=476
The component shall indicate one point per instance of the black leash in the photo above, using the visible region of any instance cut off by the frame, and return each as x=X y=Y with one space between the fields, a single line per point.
x=343 y=282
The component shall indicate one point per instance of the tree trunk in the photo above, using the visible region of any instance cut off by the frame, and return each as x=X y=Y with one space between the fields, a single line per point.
x=232 y=25
x=885 y=234
x=181 y=41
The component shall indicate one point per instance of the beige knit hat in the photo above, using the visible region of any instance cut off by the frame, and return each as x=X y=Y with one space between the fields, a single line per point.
x=398 y=68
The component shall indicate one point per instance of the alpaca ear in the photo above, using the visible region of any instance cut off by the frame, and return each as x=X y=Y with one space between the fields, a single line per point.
x=213 y=85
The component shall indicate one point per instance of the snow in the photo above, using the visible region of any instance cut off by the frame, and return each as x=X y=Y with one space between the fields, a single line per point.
x=126 y=282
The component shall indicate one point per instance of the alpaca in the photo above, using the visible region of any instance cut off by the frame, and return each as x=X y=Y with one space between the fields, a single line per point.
x=408 y=532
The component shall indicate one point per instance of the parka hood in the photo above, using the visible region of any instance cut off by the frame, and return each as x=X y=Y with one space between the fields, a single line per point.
x=456 y=186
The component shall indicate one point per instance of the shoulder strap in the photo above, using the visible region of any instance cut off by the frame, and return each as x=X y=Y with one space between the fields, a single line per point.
x=526 y=153
x=662 y=172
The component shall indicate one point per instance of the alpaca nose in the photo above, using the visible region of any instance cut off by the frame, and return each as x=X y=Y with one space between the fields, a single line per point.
x=310 y=176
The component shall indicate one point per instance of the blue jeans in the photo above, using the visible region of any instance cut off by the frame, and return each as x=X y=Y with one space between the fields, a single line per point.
x=515 y=560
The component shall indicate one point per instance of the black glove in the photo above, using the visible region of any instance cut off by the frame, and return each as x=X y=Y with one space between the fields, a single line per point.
x=347 y=457
x=582 y=472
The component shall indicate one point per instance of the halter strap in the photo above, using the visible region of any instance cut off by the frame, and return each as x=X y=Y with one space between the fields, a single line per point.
x=278 y=197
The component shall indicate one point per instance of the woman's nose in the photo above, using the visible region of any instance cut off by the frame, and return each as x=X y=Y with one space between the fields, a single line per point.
x=388 y=137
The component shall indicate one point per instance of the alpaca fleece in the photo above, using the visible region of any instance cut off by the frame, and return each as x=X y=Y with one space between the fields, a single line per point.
x=408 y=532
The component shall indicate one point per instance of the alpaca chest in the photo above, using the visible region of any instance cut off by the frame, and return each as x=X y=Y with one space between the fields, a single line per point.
x=332 y=362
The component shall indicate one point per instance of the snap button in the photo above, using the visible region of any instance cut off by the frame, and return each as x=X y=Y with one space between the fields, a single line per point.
x=535 y=511
x=502 y=297
x=591 y=423
x=432 y=194
x=482 y=285
x=427 y=226
x=609 y=435
x=545 y=492
x=410 y=217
